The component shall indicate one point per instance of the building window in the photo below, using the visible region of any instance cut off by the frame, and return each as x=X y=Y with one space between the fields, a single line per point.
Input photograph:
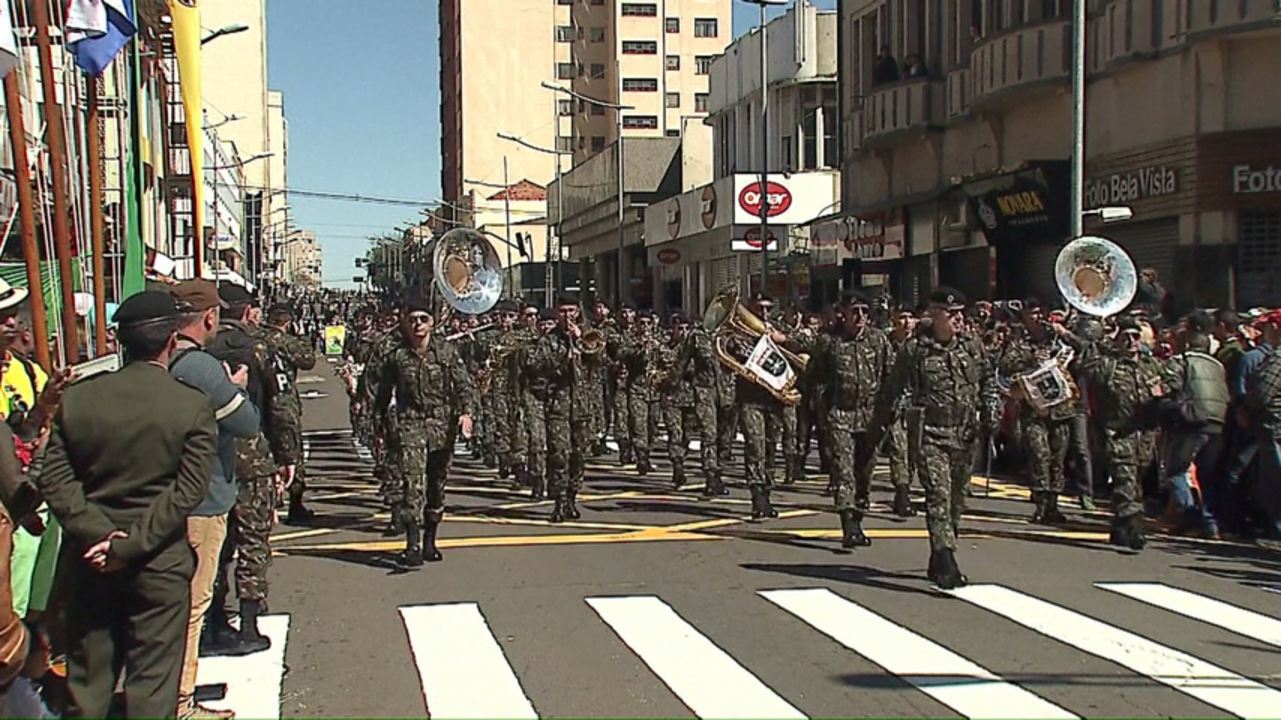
x=564 y=33
x=598 y=143
x=702 y=64
x=673 y=100
x=673 y=62
x=640 y=9
x=565 y=71
x=700 y=102
x=640 y=122
x=598 y=71
x=672 y=25
x=597 y=109
x=565 y=107
x=673 y=133
x=640 y=85
x=598 y=34
x=640 y=47
x=705 y=27
x=565 y=144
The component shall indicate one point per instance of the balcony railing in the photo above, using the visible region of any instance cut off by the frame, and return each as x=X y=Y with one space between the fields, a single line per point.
x=902 y=106
x=957 y=92
x=1028 y=55
x=1131 y=29
x=1202 y=16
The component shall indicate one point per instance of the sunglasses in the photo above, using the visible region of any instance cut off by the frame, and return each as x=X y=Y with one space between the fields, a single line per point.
x=859 y=309
x=419 y=319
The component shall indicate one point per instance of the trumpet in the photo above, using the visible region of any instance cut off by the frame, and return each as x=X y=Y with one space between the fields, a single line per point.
x=590 y=341
x=472 y=331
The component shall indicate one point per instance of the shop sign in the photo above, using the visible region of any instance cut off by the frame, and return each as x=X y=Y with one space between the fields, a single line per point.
x=1123 y=188
x=750 y=239
x=707 y=206
x=778 y=196
x=1027 y=205
x=1248 y=179
x=669 y=256
x=674 y=217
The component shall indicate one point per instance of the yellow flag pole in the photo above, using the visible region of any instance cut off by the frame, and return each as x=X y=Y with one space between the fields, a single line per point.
x=186 y=40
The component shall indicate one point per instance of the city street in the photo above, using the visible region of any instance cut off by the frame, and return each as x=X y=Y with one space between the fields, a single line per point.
x=661 y=604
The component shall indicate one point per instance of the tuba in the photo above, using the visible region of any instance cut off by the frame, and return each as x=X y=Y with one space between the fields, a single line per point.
x=591 y=342
x=743 y=345
x=467 y=271
x=1095 y=276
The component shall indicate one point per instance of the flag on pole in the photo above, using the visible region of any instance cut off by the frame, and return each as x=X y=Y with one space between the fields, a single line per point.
x=186 y=40
x=97 y=30
x=135 y=248
x=8 y=43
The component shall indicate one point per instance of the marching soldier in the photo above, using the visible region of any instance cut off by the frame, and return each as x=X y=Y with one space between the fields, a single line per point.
x=434 y=399
x=555 y=364
x=857 y=363
x=383 y=427
x=291 y=354
x=762 y=418
x=637 y=353
x=1045 y=433
x=522 y=441
x=948 y=389
x=500 y=396
x=675 y=386
x=902 y=458
x=696 y=362
x=615 y=340
x=596 y=366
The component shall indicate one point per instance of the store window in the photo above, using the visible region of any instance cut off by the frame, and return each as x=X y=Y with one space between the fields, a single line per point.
x=1258 y=258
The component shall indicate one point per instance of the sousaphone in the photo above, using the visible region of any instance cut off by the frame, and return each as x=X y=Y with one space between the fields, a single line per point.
x=468 y=274
x=1095 y=276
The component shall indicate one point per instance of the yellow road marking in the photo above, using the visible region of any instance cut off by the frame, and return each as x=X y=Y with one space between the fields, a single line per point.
x=919 y=533
x=504 y=541
x=302 y=534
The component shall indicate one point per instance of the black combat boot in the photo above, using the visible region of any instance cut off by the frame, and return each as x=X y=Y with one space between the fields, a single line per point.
x=863 y=502
x=397 y=525
x=1138 y=536
x=903 y=502
x=431 y=523
x=520 y=476
x=571 y=505
x=218 y=636
x=769 y=507
x=1038 y=512
x=504 y=469
x=759 y=509
x=1052 y=515
x=299 y=513
x=933 y=572
x=947 y=575
x=852 y=534
x=412 y=557
x=625 y=454
x=678 y=476
x=712 y=485
x=642 y=466
x=250 y=640
x=558 y=512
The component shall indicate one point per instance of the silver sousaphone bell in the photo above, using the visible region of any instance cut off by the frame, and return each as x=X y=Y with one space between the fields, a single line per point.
x=1095 y=276
x=468 y=274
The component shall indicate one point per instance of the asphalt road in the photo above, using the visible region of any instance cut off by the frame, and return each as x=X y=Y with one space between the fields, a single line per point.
x=661 y=604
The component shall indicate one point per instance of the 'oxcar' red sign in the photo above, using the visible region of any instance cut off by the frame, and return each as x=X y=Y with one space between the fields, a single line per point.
x=780 y=199
x=669 y=256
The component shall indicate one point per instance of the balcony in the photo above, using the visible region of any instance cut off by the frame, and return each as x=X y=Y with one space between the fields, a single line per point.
x=957 y=93
x=903 y=106
x=1021 y=58
x=1211 y=16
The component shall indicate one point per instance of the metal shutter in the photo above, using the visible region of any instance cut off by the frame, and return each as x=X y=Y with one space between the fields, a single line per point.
x=724 y=271
x=1150 y=244
x=1259 y=260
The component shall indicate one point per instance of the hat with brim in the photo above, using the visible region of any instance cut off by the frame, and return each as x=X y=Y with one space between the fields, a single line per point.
x=11 y=296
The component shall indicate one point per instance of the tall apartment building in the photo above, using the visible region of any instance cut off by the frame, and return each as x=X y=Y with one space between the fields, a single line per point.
x=494 y=55
x=965 y=154
x=654 y=56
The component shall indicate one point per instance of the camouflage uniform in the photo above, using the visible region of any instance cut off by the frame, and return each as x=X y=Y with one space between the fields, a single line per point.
x=595 y=383
x=619 y=402
x=1123 y=387
x=948 y=388
x=432 y=389
x=536 y=388
x=697 y=367
x=1045 y=435
x=637 y=354
x=290 y=354
x=857 y=369
x=382 y=424
x=556 y=373
x=502 y=398
x=523 y=440
x=902 y=457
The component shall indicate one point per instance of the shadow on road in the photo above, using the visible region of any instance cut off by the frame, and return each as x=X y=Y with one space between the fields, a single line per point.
x=852 y=574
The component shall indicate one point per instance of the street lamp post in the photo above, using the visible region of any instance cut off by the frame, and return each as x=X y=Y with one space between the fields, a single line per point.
x=1078 y=117
x=618 y=108
x=549 y=278
x=764 y=181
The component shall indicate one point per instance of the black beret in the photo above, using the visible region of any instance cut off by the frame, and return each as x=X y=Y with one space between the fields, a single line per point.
x=416 y=301
x=146 y=307
x=235 y=295
x=506 y=306
x=1125 y=322
x=679 y=319
x=566 y=299
x=281 y=310
x=546 y=314
x=946 y=297
x=857 y=297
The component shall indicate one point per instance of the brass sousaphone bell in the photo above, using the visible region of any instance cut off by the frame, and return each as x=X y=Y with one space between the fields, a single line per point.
x=1095 y=276
x=733 y=325
x=467 y=272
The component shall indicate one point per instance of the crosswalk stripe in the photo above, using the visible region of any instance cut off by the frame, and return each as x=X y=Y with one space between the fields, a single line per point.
x=1199 y=607
x=958 y=683
x=710 y=682
x=463 y=670
x=1208 y=683
x=253 y=681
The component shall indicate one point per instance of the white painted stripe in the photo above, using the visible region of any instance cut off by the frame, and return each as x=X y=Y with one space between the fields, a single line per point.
x=1208 y=683
x=463 y=670
x=1206 y=609
x=958 y=683
x=253 y=681
x=710 y=682
x=306 y=449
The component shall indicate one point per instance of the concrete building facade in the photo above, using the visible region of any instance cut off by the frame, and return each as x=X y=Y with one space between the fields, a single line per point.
x=964 y=161
x=303 y=259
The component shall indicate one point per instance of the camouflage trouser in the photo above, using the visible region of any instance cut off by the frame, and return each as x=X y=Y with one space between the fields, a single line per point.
x=678 y=432
x=1122 y=464
x=1046 y=442
x=535 y=424
x=608 y=397
x=727 y=419
x=944 y=468
x=638 y=422
x=805 y=430
x=391 y=484
x=597 y=422
x=623 y=420
x=761 y=423
x=518 y=438
x=425 y=472
x=823 y=435
x=853 y=455
x=902 y=463
x=567 y=440
x=252 y=517
x=289 y=444
x=501 y=427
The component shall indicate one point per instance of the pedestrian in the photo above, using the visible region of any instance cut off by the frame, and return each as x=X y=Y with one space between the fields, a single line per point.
x=1196 y=377
x=130 y=456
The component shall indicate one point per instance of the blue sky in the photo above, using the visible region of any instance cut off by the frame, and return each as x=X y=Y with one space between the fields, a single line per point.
x=362 y=98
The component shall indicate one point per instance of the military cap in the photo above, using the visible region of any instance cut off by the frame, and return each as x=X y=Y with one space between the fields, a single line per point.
x=857 y=297
x=546 y=314
x=946 y=297
x=566 y=299
x=1126 y=322
x=280 y=310
x=234 y=295
x=196 y=296
x=146 y=307
x=679 y=319
x=1031 y=303
x=506 y=306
